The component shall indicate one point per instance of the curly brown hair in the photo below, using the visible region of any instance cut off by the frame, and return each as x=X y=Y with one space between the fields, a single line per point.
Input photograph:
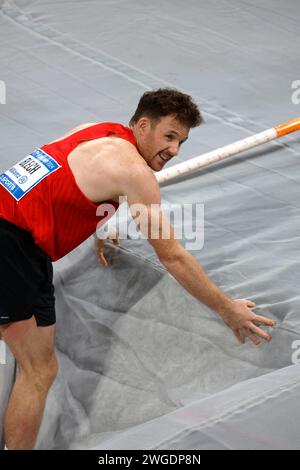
x=168 y=101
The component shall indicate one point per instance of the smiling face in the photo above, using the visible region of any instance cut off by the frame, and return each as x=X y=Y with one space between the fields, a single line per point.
x=159 y=141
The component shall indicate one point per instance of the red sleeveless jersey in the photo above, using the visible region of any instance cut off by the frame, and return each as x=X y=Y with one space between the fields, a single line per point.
x=40 y=194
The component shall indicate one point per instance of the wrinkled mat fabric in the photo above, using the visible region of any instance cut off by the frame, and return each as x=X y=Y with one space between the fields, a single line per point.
x=143 y=365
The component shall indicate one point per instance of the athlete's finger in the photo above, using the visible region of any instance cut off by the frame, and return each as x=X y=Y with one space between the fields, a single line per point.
x=254 y=339
x=264 y=320
x=248 y=333
x=239 y=337
x=102 y=259
x=258 y=331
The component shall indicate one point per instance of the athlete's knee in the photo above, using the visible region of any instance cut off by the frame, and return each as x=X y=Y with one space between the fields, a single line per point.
x=42 y=375
x=47 y=374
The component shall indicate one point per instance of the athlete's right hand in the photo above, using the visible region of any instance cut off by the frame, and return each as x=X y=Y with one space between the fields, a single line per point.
x=99 y=247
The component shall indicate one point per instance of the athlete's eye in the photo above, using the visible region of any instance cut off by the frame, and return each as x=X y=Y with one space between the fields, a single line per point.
x=170 y=137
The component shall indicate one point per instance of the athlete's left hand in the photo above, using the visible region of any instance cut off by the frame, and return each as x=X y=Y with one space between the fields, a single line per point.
x=100 y=244
x=245 y=323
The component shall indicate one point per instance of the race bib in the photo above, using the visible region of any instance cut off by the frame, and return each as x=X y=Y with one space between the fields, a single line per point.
x=22 y=177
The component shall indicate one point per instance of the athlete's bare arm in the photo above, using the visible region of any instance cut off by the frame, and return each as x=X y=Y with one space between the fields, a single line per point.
x=140 y=187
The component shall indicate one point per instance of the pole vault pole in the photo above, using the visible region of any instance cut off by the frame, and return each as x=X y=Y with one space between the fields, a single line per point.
x=228 y=151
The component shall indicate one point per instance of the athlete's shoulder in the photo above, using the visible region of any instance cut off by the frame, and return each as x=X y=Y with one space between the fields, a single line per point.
x=123 y=145
x=131 y=165
x=138 y=173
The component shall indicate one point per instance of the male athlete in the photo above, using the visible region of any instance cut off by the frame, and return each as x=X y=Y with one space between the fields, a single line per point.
x=48 y=205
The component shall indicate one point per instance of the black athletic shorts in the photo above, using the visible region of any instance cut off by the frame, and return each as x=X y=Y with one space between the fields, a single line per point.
x=26 y=278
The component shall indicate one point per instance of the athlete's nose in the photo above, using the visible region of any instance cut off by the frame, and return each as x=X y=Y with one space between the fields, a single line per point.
x=173 y=149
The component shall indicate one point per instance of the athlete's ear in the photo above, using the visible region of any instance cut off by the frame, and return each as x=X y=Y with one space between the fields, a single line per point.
x=143 y=125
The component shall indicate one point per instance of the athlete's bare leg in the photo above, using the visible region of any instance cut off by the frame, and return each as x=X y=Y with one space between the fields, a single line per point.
x=33 y=348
